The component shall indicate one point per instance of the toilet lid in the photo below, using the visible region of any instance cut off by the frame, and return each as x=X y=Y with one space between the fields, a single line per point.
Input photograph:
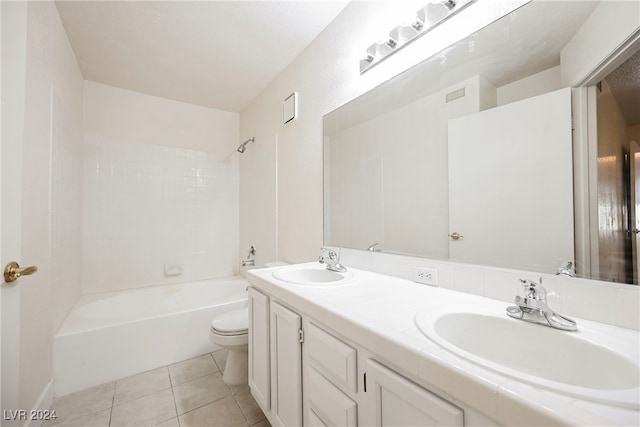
x=232 y=322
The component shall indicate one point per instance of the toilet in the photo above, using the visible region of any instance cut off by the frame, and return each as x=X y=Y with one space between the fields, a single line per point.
x=230 y=330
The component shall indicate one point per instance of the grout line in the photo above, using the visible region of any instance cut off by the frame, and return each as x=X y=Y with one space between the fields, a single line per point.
x=175 y=404
x=113 y=399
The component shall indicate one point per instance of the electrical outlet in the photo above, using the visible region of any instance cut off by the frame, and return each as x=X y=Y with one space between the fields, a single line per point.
x=428 y=276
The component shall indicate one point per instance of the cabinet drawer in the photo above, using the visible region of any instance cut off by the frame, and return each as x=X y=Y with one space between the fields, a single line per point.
x=335 y=359
x=327 y=404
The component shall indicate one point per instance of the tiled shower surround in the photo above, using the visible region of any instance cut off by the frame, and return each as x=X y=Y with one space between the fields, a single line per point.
x=148 y=207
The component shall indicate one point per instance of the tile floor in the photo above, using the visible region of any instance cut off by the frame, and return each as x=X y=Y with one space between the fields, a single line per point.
x=187 y=393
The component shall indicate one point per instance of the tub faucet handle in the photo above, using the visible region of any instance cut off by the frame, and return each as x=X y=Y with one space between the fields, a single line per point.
x=250 y=261
x=252 y=251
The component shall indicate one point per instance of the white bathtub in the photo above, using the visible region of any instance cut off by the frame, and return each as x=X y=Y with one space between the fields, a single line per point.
x=110 y=336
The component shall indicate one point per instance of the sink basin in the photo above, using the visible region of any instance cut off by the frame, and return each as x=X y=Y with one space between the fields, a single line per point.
x=313 y=275
x=585 y=364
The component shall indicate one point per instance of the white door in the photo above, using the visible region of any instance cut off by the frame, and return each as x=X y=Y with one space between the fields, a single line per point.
x=13 y=36
x=286 y=367
x=511 y=184
x=259 y=360
x=396 y=401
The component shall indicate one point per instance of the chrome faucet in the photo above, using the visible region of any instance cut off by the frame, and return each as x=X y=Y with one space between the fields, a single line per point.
x=332 y=260
x=374 y=248
x=533 y=308
x=250 y=261
x=566 y=269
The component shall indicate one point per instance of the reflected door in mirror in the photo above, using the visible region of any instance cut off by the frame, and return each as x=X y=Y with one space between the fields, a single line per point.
x=511 y=185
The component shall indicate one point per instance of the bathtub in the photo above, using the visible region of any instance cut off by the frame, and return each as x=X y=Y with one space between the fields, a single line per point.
x=114 y=335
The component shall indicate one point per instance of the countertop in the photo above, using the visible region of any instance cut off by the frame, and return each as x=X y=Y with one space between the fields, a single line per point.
x=377 y=312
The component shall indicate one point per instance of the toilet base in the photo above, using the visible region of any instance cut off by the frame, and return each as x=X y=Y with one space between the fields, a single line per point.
x=236 y=370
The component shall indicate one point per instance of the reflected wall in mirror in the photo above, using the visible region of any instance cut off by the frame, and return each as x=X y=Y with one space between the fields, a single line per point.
x=468 y=155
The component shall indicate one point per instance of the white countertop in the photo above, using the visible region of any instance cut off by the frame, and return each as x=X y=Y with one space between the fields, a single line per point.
x=377 y=312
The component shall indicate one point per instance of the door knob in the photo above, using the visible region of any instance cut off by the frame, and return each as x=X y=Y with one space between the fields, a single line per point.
x=13 y=271
x=456 y=236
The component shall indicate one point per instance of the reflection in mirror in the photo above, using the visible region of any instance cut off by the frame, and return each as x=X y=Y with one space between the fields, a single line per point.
x=466 y=156
x=618 y=134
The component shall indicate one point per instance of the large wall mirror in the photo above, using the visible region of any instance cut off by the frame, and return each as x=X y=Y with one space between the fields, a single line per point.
x=469 y=156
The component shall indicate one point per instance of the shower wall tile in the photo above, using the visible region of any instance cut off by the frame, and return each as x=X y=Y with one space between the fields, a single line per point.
x=148 y=204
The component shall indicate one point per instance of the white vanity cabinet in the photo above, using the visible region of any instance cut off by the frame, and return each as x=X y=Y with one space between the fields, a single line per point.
x=259 y=349
x=331 y=379
x=275 y=360
x=395 y=401
x=286 y=366
x=303 y=374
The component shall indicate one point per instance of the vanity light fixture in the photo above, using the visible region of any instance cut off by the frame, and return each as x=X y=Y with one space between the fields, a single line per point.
x=427 y=18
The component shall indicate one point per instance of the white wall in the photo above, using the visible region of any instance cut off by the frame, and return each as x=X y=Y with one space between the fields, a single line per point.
x=160 y=188
x=284 y=172
x=536 y=84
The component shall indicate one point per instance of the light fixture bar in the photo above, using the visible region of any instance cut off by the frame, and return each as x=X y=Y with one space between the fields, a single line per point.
x=427 y=18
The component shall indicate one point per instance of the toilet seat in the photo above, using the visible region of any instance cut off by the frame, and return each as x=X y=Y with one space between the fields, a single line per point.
x=231 y=323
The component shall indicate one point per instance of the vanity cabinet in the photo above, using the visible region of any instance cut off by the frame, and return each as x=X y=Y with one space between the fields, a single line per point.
x=259 y=348
x=395 y=401
x=275 y=359
x=300 y=373
x=286 y=366
x=330 y=375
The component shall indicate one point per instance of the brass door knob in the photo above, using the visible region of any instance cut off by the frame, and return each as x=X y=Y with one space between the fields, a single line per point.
x=456 y=236
x=13 y=271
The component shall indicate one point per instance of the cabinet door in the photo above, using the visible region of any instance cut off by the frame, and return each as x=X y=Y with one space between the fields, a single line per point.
x=286 y=367
x=259 y=361
x=396 y=401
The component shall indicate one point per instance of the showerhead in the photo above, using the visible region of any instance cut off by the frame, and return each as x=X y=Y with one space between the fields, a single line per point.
x=243 y=146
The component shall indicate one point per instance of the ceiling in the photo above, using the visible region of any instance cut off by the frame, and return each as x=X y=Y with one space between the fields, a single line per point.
x=218 y=54
x=624 y=83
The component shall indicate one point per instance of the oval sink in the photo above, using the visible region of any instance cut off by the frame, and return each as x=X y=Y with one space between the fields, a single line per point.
x=312 y=275
x=582 y=364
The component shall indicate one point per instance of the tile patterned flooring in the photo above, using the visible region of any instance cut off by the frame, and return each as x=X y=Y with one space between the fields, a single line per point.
x=185 y=394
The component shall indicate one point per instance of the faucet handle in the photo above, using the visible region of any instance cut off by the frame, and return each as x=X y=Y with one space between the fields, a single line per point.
x=330 y=253
x=534 y=290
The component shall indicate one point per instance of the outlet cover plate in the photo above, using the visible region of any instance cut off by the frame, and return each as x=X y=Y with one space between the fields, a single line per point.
x=427 y=276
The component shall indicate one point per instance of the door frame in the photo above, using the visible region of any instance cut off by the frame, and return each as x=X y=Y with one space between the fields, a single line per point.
x=585 y=149
x=13 y=27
